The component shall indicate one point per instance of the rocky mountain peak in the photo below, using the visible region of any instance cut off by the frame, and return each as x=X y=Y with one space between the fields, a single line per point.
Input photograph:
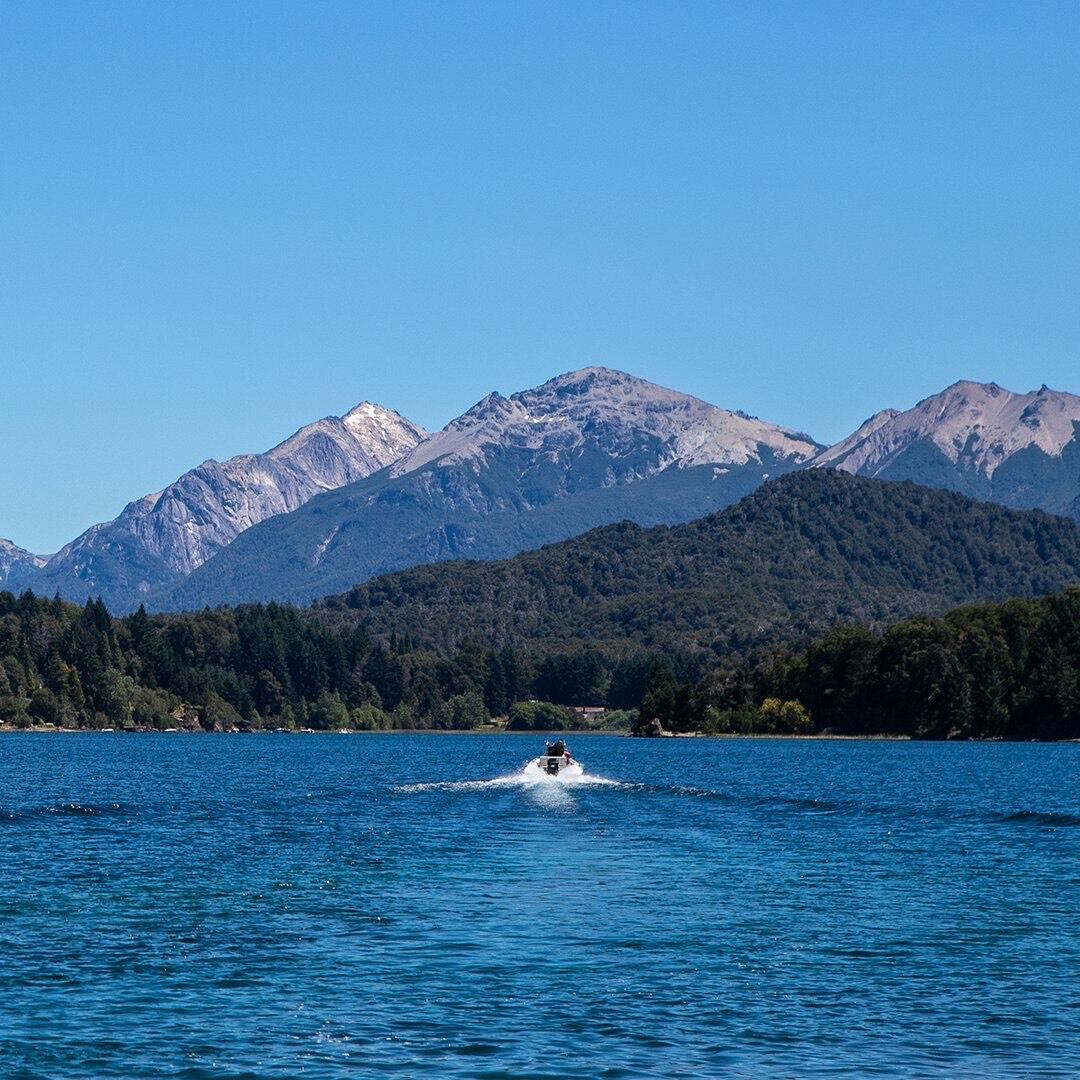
x=589 y=380
x=13 y=550
x=368 y=429
x=368 y=421
x=1022 y=450
x=489 y=407
x=598 y=387
x=612 y=412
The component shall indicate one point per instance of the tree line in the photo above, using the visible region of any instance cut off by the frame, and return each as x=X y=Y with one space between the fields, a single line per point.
x=1001 y=670
x=1007 y=670
x=273 y=665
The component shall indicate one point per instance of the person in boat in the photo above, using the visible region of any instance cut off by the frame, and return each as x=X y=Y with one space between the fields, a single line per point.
x=559 y=749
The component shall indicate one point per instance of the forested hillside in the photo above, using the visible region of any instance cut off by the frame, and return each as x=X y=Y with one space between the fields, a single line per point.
x=700 y=626
x=800 y=555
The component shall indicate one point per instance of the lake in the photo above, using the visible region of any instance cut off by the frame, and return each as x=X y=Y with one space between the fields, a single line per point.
x=331 y=906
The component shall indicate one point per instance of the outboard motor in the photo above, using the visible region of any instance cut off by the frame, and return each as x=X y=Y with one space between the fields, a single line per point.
x=556 y=751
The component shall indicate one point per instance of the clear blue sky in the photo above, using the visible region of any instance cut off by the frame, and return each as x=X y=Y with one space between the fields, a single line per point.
x=219 y=221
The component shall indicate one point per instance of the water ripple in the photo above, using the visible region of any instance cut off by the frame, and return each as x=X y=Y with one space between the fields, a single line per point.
x=412 y=906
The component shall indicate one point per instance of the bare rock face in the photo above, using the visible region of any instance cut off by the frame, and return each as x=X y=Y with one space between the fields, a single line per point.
x=166 y=535
x=623 y=417
x=210 y=506
x=1021 y=450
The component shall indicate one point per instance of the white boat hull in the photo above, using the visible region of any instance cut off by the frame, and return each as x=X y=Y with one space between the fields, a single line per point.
x=555 y=767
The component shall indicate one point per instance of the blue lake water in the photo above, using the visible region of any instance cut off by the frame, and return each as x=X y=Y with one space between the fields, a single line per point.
x=326 y=906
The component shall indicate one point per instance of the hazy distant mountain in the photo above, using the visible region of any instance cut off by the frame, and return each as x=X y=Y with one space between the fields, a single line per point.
x=16 y=564
x=585 y=448
x=1021 y=450
x=160 y=538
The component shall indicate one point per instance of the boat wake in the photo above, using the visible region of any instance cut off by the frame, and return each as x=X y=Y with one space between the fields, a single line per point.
x=555 y=792
x=551 y=790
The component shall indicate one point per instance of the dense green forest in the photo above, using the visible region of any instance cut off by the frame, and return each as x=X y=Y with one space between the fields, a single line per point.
x=803 y=553
x=806 y=608
x=1009 y=670
x=248 y=667
x=272 y=666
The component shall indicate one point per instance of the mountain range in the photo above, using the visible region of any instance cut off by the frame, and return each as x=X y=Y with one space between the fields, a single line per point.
x=584 y=449
x=347 y=499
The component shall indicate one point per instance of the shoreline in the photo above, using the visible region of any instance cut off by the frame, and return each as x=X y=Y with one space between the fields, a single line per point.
x=437 y=732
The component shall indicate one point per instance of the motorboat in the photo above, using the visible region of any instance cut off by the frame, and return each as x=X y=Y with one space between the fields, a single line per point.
x=556 y=760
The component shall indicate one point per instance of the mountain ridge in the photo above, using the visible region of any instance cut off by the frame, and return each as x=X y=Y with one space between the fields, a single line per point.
x=16 y=563
x=602 y=395
x=522 y=462
x=352 y=497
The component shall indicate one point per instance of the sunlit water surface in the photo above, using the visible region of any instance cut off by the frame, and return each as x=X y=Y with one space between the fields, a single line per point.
x=325 y=906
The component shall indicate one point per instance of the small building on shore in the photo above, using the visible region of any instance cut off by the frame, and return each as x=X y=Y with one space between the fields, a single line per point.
x=588 y=712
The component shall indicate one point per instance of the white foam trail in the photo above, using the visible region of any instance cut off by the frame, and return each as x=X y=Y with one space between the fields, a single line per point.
x=530 y=778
